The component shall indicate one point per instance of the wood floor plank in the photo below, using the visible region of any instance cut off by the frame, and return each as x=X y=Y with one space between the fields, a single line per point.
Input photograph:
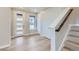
x=30 y=43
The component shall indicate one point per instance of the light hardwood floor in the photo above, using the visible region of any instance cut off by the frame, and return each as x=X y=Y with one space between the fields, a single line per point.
x=30 y=43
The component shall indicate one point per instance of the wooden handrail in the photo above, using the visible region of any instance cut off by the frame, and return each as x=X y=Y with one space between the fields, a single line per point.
x=57 y=30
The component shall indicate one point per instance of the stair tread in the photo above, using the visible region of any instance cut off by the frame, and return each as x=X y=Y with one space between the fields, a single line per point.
x=66 y=49
x=74 y=33
x=75 y=40
x=71 y=45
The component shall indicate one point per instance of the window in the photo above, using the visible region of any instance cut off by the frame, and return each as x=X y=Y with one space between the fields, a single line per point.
x=32 y=22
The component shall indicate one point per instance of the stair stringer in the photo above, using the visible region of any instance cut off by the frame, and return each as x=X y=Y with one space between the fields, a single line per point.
x=65 y=37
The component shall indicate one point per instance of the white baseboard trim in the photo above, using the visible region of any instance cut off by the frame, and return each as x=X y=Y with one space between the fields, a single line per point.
x=64 y=39
x=5 y=46
x=44 y=36
x=29 y=34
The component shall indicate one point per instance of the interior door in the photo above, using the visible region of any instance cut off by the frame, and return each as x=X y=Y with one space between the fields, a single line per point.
x=32 y=24
x=19 y=24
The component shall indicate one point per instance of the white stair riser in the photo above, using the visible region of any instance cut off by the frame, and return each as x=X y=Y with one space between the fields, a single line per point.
x=74 y=33
x=75 y=28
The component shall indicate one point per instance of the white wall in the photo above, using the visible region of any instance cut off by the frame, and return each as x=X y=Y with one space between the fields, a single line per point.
x=46 y=18
x=5 y=33
x=74 y=17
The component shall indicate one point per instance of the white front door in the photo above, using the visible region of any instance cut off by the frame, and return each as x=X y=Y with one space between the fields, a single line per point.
x=32 y=23
x=18 y=23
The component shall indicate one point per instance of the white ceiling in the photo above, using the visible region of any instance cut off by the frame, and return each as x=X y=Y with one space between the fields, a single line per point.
x=35 y=9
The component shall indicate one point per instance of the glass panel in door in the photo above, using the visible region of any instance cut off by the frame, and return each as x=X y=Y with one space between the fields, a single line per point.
x=32 y=23
x=19 y=24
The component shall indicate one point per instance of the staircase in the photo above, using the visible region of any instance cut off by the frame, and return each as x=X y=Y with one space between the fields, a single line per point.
x=72 y=42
